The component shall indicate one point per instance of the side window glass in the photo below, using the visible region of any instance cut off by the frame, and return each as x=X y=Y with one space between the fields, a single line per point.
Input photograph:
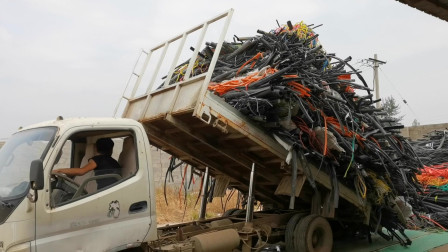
x=62 y=190
x=64 y=156
x=128 y=157
x=112 y=165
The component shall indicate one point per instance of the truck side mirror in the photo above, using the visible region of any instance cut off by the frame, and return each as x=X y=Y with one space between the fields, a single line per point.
x=37 y=175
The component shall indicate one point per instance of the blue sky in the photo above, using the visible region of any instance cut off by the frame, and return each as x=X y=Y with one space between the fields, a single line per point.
x=73 y=58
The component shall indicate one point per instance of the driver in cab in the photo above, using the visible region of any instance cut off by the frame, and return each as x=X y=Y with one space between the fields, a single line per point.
x=102 y=164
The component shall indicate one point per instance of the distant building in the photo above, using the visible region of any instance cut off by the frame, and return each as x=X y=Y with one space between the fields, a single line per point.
x=417 y=132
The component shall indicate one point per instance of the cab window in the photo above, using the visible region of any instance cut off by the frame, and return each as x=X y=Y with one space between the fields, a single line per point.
x=112 y=168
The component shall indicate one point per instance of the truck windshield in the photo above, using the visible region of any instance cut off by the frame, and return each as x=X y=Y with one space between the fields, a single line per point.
x=16 y=156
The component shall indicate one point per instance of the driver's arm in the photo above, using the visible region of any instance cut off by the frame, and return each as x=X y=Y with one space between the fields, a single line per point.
x=77 y=171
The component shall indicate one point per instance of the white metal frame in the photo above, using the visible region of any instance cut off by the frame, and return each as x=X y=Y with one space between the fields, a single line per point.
x=164 y=48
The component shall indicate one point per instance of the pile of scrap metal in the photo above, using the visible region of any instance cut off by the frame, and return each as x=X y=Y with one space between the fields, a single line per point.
x=285 y=82
x=433 y=152
x=432 y=148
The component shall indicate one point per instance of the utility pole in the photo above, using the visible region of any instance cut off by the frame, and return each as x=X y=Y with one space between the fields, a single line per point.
x=376 y=84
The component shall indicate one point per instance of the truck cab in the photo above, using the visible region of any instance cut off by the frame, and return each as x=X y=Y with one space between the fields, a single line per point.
x=40 y=211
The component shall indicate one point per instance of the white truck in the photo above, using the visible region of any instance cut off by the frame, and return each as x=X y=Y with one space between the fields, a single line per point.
x=43 y=212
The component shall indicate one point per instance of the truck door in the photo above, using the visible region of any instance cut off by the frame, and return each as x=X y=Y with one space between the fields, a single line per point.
x=78 y=215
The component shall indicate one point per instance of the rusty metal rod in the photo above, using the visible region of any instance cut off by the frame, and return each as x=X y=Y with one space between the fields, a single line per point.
x=203 y=208
x=250 y=198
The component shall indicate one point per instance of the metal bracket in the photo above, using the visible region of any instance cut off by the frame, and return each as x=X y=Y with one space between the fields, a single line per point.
x=221 y=125
x=316 y=203
x=205 y=115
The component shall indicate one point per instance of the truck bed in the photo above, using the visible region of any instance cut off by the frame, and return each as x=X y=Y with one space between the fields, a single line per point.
x=189 y=122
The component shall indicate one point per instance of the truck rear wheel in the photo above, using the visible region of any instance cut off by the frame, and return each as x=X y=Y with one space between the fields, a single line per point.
x=289 y=232
x=313 y=234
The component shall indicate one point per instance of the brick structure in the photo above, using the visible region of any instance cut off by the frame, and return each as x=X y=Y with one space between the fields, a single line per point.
x=417 y=132
x=160 y=162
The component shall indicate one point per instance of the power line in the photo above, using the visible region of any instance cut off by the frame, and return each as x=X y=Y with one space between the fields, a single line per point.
x=376 y=82
x=375 y=64
x=402 y=98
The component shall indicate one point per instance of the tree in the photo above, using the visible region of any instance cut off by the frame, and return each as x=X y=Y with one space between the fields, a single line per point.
x=392 y=108
x=415 y=122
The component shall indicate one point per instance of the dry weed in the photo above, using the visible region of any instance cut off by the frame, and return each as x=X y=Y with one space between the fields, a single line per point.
x=177 y=211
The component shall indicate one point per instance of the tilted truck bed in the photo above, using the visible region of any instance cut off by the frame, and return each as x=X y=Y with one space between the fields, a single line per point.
x=189 y=122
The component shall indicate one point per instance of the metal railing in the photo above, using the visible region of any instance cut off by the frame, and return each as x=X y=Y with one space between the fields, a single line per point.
x=162 y=50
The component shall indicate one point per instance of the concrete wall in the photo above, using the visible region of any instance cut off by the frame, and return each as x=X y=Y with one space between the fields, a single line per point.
x=160 y=162
x=417 y=132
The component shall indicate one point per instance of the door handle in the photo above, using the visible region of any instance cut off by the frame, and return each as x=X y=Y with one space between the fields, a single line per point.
x=138 y=207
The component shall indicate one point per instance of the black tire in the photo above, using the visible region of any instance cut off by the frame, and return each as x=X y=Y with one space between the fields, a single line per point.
x=229 y=212
x=313 y=234
x=239 y=212
x=138 y=249
x=289 y=232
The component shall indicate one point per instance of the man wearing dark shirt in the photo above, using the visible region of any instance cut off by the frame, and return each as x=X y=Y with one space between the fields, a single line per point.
x=101 y=164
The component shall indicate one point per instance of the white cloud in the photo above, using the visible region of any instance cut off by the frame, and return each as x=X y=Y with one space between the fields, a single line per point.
x=5 y=35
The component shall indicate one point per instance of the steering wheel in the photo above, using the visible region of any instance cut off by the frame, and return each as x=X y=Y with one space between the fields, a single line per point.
x=62 y=179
